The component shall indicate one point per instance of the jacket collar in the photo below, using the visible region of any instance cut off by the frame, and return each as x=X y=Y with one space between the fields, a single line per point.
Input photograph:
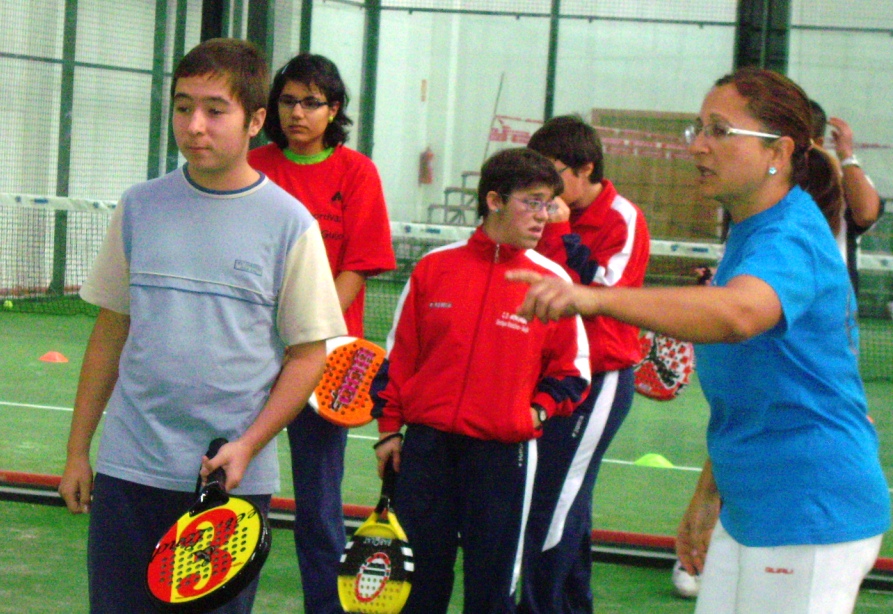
x=482 y=245
x=594 y=210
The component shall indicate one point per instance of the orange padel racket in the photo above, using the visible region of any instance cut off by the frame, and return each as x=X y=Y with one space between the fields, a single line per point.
x=342 y=396
x=212 y=552
x=375 y=573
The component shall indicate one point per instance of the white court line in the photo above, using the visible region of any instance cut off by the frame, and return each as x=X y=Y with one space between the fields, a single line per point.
x=366 y=437
x=50 y=407
x=604 y=460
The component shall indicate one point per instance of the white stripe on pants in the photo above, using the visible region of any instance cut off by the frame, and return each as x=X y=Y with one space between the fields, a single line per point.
x=577 y=471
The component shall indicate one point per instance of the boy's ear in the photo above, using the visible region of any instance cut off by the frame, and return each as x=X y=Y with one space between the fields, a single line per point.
x=585 y=170
x=494 y=201
x=257 y=122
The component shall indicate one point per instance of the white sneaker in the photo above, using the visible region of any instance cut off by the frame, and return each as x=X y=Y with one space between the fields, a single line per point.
x=686 y=584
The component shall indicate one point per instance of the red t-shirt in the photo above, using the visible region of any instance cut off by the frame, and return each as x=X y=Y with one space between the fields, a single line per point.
x=343 y=192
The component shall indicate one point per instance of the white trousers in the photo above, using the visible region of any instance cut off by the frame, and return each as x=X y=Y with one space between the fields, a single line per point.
x=822 y=579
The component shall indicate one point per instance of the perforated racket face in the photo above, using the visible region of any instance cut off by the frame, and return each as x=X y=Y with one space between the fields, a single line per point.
x=343 y=396
x=203 y=556
x=375 y=573
x=667 y=367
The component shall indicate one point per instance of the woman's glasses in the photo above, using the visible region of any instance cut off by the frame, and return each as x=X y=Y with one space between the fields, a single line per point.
x=717 y=130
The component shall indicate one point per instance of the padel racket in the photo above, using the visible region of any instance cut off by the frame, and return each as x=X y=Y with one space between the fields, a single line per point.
x=343 y=396
x=666 y=368
x=375 y=573
x=211 y=552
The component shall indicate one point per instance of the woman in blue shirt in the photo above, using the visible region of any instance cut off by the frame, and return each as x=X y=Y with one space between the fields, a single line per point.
x=792 y=499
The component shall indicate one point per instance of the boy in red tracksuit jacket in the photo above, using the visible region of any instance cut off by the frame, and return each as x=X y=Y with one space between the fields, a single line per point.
x=602 y=240
x=473 y=383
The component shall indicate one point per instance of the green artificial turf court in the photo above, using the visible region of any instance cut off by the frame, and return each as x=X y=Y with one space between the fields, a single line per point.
x=36 y=397
x=44 y=572
x=35 y=402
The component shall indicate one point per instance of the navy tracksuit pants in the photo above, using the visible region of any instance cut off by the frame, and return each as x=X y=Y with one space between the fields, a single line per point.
x=557 y=565
x=457 y=490
x=317 y=453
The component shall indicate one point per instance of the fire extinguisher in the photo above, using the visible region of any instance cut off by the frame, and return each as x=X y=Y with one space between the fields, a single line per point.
x=426 y=166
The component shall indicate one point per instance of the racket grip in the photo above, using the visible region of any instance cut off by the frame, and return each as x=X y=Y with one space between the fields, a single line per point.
x=218 y=476
x=388 y=480
x=214 y=447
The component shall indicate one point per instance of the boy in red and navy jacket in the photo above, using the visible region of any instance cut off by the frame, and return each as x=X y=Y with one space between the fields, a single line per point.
x=602 y=240
x=474 y=383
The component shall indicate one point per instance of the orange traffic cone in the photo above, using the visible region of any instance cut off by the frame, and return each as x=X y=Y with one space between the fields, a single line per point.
x=53 y=357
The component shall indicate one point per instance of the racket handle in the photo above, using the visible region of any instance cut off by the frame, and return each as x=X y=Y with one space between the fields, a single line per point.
x=388 y=480
x=214 y=447
x=218 y=476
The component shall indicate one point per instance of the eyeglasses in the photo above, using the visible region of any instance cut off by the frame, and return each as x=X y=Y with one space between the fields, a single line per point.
x=308 y=104
x=721 y=131
x=535 y=205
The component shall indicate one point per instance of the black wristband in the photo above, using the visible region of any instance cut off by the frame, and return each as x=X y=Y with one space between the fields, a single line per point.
x=388 y=438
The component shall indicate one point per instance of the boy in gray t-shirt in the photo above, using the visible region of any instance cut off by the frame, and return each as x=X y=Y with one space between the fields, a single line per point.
x=215 y=303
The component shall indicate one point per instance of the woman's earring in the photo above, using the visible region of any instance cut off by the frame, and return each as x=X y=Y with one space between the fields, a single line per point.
x=772 y=170
x=331 y=118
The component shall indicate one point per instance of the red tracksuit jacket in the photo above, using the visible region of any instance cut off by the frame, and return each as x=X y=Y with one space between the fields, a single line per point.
x=607 y=244
x=461 y=361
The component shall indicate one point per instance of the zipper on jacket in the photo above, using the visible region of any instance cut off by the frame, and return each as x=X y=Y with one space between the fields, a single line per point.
x=474 y=339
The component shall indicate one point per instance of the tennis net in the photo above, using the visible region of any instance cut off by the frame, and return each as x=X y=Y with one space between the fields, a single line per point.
x=49 y=244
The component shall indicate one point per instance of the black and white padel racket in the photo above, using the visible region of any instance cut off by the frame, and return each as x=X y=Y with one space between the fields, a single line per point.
x=375 y=573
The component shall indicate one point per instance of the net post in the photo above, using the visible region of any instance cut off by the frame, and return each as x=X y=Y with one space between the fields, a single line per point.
x=60 y=248
x=60 y=235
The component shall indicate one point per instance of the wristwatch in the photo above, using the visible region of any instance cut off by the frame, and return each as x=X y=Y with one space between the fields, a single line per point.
x=850 y=161
x=541 y=414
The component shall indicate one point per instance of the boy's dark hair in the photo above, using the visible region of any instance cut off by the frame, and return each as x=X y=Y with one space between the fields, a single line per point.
x=310 y=69
x=515 y=169
x=819 y=120
x=572 y=142
x=240 y=62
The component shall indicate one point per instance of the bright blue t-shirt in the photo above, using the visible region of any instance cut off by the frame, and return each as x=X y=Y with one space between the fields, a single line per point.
x=794 y=454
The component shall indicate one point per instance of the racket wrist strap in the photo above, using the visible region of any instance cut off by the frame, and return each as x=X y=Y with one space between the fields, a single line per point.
x=382 y=441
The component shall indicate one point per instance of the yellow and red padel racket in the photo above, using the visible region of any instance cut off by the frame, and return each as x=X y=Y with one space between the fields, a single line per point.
x=211 y=552
x=375 y=573
x=343 y=394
